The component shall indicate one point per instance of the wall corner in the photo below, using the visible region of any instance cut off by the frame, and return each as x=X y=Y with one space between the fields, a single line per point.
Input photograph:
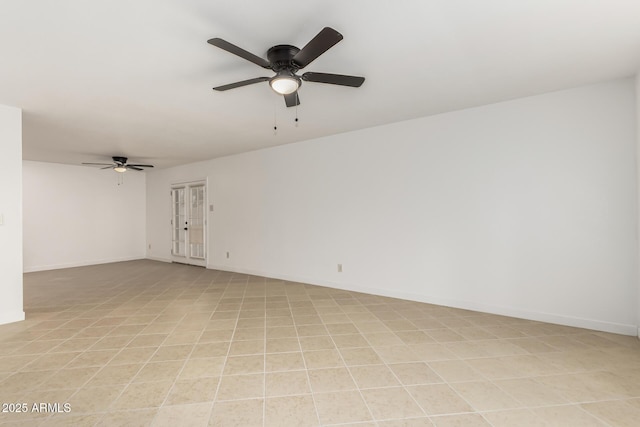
x=637 y=93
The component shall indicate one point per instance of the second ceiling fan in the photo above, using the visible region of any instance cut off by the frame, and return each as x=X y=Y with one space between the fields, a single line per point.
x=286 y=60
x=120 y=165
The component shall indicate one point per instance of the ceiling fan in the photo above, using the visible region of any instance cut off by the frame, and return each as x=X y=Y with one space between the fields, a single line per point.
x=286 y=60
x=120 y=165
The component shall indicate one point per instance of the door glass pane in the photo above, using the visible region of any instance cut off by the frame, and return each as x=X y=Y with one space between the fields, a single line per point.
x=178 y=222
x=196 y=222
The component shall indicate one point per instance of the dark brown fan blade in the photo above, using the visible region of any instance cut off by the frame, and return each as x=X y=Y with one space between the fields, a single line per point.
x=99 y=164
x=134 y=168
x=108 y=167
x=333 y=79
x=318 y=45
x=292 y=99
x=231 y=48
x=139 y=166
x=242 y=83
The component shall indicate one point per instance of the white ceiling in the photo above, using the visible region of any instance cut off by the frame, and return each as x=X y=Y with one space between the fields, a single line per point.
x=133 y=78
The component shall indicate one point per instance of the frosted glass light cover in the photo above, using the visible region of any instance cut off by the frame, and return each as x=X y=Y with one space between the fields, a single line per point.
x=284 y=85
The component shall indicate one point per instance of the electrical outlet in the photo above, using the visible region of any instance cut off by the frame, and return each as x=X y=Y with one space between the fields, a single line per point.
x=339 y=268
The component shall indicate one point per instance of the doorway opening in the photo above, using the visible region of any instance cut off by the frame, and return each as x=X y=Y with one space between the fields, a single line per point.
x=189 y=223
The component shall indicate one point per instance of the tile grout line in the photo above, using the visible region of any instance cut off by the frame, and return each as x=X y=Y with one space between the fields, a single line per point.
x=384 y=363
x=235 y=328
x=187 y=358
x=304 y=362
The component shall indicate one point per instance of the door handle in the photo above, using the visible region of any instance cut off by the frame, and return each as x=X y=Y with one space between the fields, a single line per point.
x=186 y=228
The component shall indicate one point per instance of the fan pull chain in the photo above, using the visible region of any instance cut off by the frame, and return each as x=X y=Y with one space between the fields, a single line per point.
x=296 y=109
x=275 y=119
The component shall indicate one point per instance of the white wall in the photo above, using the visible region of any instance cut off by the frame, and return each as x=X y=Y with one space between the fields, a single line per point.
x=524 y=208
x=11 y=215
x=77 y=215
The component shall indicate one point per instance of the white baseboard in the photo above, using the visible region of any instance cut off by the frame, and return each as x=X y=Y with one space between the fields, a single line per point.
x=33 y=269
x=14 y=316
x=558 y=319
x=154 y=258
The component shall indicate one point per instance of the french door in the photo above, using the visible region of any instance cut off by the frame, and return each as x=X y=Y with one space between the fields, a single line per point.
x=188 y=223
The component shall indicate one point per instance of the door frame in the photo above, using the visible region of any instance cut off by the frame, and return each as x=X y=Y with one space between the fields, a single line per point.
x=186 y=258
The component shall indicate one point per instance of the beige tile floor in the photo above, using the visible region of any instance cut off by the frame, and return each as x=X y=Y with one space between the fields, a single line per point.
x=150 y=343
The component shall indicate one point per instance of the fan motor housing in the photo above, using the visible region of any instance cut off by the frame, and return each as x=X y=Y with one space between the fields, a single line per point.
x=281 y=57
x=120 y=160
